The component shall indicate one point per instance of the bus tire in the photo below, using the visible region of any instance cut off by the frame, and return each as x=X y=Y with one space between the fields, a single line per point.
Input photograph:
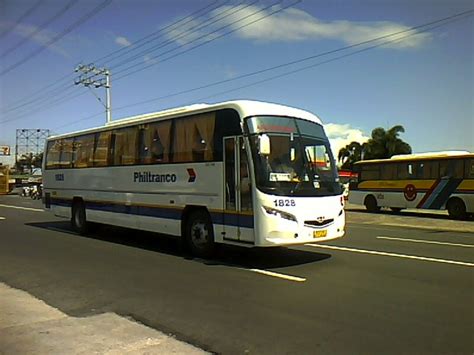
x=78 y=217
x=456 y=208
x=371 y=204
x=199 y=234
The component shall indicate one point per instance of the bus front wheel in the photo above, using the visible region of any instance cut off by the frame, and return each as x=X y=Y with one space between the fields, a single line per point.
x=200 y=234
x=456 y=208
x=78 y=217
x=371 y=204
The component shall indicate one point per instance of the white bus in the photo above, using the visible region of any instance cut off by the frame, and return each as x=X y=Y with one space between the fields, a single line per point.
x=438 y=180
x=242 y=172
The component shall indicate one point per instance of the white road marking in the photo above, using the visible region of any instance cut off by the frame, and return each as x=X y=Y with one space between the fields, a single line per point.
x=263 y=272
x=427 y=242
x=278 y=275
x=374 y=252
x=23 y=208
x=2 y=218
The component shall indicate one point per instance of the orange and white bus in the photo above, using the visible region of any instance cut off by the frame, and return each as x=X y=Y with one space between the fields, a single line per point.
x=442 y=180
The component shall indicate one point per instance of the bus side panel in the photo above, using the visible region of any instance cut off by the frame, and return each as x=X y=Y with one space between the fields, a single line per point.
x=150 y=197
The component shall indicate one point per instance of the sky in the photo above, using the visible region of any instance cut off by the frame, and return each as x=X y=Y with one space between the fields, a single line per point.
x=170 y=53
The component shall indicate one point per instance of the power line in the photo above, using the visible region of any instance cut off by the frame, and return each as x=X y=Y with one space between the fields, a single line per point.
x=331 y=60
x=45 y=92
x=194 y=29
x=56 y=38
x=210 y=40
x=414 y=28
x=429 y=26
x=439 y=21
x=40 y=28
x=57 y=90
x=157 y=34
x=21 y=18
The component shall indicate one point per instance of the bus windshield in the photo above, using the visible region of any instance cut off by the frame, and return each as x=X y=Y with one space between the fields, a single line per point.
x=299 y=161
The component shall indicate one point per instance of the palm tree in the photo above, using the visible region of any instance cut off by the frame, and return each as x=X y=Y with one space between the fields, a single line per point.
x=384 y=144
x=350 y=154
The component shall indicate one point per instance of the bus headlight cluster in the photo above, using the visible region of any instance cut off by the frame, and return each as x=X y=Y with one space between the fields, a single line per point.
x=281 y=214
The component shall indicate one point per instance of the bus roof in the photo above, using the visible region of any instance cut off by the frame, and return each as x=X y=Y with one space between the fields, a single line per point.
x=245 y=108
x=421 y=156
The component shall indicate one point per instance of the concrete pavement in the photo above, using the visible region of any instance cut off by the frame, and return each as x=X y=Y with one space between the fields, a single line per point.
x=30 y=326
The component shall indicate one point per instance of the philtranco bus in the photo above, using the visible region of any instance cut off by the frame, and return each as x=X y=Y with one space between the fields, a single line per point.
x=441 y=180
x=242 y=172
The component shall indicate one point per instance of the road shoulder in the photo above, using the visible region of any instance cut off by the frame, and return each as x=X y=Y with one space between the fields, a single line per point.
x=28 y=325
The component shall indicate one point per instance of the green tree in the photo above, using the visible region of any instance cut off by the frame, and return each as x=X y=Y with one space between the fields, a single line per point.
x=350 y=154
x=382 y=145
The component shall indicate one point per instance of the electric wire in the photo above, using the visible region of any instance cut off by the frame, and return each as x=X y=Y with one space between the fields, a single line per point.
x=59 y=84
x=40 y=28
x=468 y=13
x=157 y=34
x=212 y=39
x=213 y=19
x=419 y=29
x=283 y=65
x=56 y=38
x=21 y=18
x=60 y=89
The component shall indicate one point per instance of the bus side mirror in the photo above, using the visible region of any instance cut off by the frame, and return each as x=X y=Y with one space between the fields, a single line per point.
x=264 y=145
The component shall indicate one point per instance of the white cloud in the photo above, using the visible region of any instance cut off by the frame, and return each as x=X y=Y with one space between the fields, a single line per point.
x=148 y=59
x=341 y=135
x=192 y=31
x=43 y=37
x=297 y=25
x=122 y=41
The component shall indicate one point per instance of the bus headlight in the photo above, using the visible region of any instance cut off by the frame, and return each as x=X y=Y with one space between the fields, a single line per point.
x=281 y=214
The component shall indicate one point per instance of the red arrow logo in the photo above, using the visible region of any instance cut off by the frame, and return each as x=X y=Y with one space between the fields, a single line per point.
x=192 y=175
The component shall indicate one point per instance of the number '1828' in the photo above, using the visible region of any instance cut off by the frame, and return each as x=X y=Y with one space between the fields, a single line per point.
x=284 y=203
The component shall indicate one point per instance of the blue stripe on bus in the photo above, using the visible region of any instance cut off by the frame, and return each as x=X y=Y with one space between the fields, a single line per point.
x=224 y=218
x=443 y=195
x=441 y=184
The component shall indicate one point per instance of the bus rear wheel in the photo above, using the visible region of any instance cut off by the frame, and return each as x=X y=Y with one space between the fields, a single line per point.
x=200 y=234
x=78 y=218
x=371 y=204
x=456 y=208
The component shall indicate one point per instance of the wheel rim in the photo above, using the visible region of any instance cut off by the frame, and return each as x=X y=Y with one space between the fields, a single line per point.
x=199 y=234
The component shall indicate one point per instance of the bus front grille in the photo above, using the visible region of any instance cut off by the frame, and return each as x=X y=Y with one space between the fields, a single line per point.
x=318 y=224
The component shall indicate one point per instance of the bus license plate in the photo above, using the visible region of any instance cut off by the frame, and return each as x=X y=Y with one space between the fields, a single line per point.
x=320 y=234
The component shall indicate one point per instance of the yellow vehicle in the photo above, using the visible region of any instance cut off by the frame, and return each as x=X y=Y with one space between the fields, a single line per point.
x=442 y=180
x=4 y=179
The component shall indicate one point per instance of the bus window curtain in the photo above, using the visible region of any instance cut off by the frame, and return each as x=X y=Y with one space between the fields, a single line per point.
x=205 y=125
x=164 y=134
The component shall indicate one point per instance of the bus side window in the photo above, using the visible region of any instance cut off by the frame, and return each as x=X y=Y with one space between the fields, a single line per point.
x=125 y=150
x=53 y=153
x=102 y=153
x=66 y=156
x=451 y=168
x=469 y=169
x=83 y=146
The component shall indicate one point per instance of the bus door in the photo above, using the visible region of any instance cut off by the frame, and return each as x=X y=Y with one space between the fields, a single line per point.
x=238 y=211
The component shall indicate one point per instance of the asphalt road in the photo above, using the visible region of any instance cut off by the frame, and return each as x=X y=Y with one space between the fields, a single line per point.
x=381 y=289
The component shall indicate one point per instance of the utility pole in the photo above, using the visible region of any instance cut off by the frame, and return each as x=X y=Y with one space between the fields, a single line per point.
x=96 y=77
